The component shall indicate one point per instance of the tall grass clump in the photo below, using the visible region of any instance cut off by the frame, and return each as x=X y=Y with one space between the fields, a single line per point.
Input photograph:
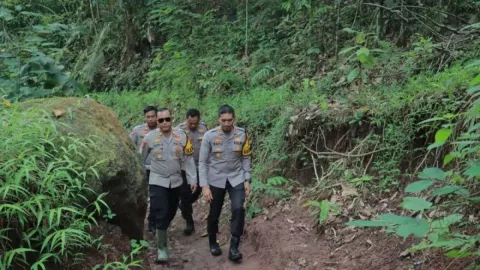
x=46 y=208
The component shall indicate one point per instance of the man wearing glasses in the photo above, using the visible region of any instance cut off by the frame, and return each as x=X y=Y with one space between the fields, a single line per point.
x=195 y=129
x=170 y=151
x=224 y=166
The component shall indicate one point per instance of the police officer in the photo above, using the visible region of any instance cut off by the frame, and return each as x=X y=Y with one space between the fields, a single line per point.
x=224 y=166
x=170 y=151
x=195 y=129
x=137 y=134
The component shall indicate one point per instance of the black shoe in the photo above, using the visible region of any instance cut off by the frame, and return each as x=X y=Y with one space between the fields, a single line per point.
x=152 y=228
x=189 y=228
x=234 y=254
x=214 y=246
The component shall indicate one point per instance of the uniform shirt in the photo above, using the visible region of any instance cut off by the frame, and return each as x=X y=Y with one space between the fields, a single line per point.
x=137 y=134
x=169 y=155
x=196 y=136
x=224 y=157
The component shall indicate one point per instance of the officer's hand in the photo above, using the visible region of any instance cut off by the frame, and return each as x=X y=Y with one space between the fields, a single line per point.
x=247 y=188
x=207 y=194
x=193 y=187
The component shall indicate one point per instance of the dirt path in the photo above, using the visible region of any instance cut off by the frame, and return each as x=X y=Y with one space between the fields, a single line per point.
x=286 y=237
x=191 y=252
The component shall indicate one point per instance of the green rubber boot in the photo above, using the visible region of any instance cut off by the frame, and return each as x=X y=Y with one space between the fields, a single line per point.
x=162 y=256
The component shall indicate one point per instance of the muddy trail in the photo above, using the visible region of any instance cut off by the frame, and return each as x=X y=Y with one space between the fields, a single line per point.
x=286 y=237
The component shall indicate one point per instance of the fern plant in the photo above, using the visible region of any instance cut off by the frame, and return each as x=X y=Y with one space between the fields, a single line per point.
x=453 y=188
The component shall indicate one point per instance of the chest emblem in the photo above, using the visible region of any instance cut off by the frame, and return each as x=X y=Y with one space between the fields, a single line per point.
x=217 y=141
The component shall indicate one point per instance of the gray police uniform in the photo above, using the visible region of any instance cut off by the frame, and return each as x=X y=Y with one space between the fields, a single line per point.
x=196 y=136
x=169 y=155
x=224 y=165
x=224 y=157
x=186 y=196
x=137 y=134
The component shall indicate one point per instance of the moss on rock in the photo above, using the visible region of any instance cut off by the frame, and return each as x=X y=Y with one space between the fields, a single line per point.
x=120 y=168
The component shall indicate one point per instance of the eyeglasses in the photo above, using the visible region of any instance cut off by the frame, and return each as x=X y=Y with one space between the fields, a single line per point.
x=161 y=120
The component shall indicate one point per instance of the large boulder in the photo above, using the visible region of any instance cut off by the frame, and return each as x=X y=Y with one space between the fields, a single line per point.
x=121 y=173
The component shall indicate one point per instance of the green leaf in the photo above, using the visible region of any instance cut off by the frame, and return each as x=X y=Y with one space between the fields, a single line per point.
x=418 y=186
x=395 y=219
x=363 y=51
x=433 y=237
x=474 y=63
x=11 y=62
x=433 y=173
x=474 y=127
x=312 y=203
x=349 y=30
x=324 y=210
x=367 y=223
x=352 y=75
x=28 y=13
x=447 y=159
x=5 y=55
x=421 y=228
x=435 y=145
x=434 y=119
x=442 y=135
x=473 y=89
x=418 y=228
x=415 y=204
x=473 y=170
x=475 y=80
x=365 y=57
x=346 y=50
x=34 y=39
x=404 y=230
x=313 y=50
x=360 y=38
x=5 y=14
x=475 y=199
x=449 y=190
x=324 y=105
x=458 y=254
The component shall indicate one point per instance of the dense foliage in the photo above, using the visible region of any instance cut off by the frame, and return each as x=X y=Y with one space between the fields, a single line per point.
x=392 y=65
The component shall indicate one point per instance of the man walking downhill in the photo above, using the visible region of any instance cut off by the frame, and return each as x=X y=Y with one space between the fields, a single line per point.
x=195 y=129
x=224 y=163
x=170 y=151
x=137 y=134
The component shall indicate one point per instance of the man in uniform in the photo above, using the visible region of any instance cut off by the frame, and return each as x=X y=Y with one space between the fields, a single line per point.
x=137 y=134
x=195 y=129
x=170 y=151
x=224 y=165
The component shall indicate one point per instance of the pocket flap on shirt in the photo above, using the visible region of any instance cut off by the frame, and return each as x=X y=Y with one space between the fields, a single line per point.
x=217 y=149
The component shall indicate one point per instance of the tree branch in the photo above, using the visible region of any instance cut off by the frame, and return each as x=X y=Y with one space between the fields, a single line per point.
x=348 y=155
x=398 y=12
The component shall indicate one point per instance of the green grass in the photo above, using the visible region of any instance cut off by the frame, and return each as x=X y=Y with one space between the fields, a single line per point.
x=47 y=208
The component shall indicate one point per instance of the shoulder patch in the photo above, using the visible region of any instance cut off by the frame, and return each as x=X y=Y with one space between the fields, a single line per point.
x=188 y=149
x=246 y=151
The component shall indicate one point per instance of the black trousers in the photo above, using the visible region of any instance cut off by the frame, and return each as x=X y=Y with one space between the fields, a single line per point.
x=237 y=198
x=163 y=205
x=187 y=198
